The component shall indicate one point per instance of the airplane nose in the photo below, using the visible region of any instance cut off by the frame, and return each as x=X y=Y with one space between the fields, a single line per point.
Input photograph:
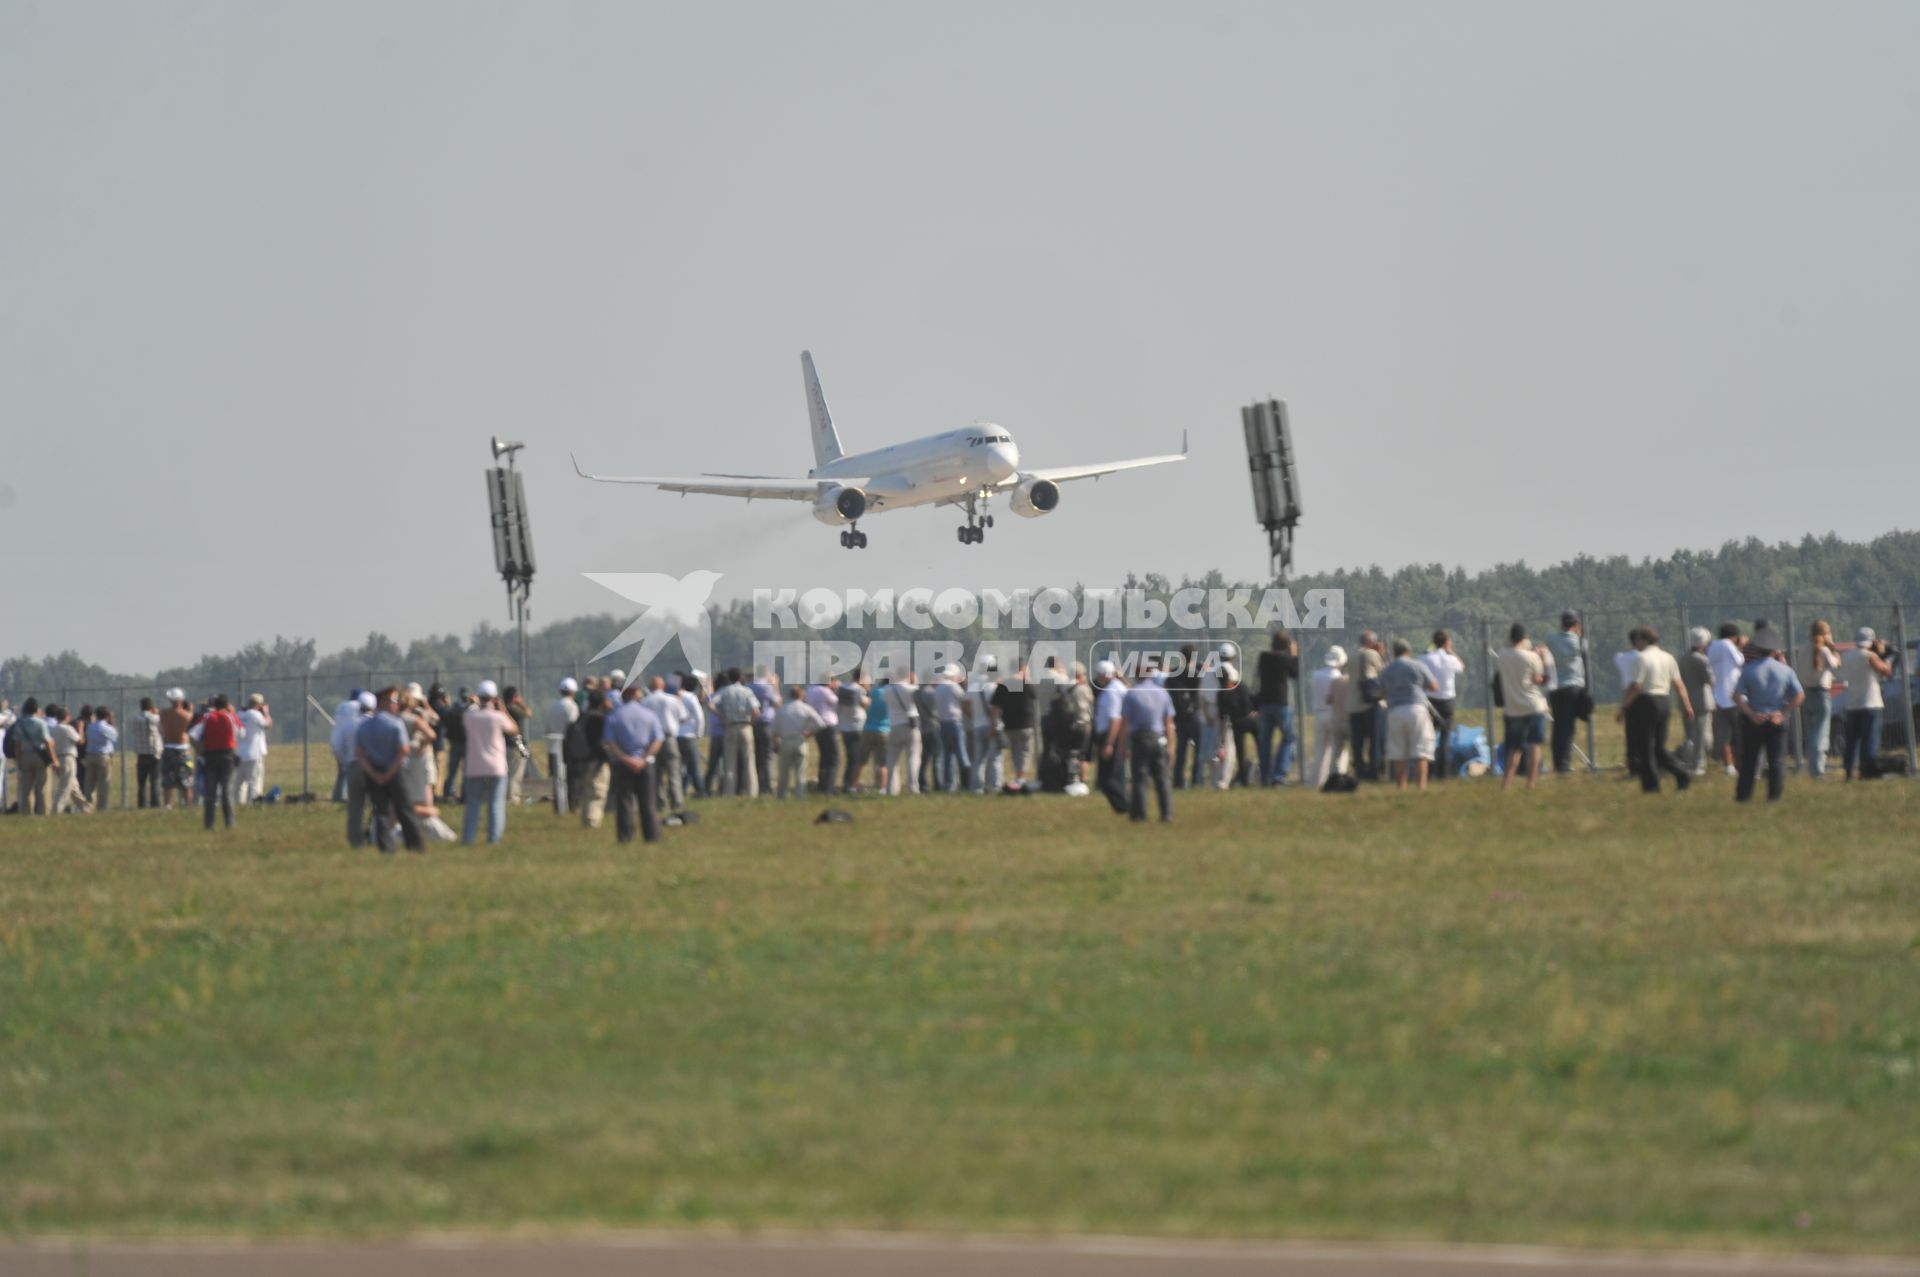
x=1006 y=458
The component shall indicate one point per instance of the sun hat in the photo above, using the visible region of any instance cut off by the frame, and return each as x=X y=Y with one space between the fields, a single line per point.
x=1336 y=656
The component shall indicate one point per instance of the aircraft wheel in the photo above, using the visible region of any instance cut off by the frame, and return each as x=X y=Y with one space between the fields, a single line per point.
x=988 y=520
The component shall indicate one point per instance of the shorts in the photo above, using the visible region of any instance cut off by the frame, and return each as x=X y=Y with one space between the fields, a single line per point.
x=1525 y=729
x=1725 y=723
x=174 y=771
x=1410 y=734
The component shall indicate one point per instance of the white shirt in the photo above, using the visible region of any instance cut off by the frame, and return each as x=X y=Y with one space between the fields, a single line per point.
x=982 y=698
x=1626 y=662
x=1863 y=682
x=346 y=721
x=900 y=706
x=949 y=701
x=561 y=715
x=667 y=708
x=1322 y=684
x=253 y=735
x=1107 y=705
x=1444 y=666
x=1655 y=670
x=695 y=723
x=796 y=720
x=1519 y=667
x=1726 y=660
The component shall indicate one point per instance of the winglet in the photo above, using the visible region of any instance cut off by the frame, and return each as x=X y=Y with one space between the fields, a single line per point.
x=576 y=467
x=1183 y=445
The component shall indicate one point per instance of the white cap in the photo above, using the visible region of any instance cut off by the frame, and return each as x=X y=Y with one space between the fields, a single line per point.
x=568 y=686
x=175 y=694
x=1229 y=650
x=1336 y=656
x=487 y=688
x=413 y=690
x=368 y=702
x=619 y=676
x=952 y=671
x=1699 y=636
x=1864 y=634
x=1103 y=669
x=990 y=663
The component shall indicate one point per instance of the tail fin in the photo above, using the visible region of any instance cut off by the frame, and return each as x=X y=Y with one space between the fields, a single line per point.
x=826 y=443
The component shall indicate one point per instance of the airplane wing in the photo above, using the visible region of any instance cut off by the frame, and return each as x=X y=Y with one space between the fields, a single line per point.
x=1064 y=474
x=750 y=487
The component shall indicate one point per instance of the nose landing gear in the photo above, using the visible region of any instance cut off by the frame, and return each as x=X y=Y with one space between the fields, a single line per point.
x=853 y=539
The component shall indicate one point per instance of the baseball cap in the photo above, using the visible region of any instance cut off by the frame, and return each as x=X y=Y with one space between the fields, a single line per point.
x=176 y=694
x=990 y=663
x=1699 y=636
x=1336 y=656
x=619 y=676
x=487 y=688
x=366 y=701
x=1103 y=669
x=569 y=686
x=1864 y=634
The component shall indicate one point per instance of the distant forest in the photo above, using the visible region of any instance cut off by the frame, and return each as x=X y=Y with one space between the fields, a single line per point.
x=1849 y=582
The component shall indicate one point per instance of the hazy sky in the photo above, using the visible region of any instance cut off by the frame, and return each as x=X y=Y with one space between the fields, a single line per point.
x=1536 y=279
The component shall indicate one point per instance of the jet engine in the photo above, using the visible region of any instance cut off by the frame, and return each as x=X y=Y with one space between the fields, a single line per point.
x=839 y=505
x=1034 y=497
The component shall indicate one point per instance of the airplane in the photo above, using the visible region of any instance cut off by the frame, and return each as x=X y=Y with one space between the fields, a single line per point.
x=956 y=467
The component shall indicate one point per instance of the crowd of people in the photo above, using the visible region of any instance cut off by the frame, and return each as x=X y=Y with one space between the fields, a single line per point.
x=646 y=748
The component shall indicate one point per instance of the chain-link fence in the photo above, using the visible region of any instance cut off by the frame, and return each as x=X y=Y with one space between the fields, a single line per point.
x=302 y=706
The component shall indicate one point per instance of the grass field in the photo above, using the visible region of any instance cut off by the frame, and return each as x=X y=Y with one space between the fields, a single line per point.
x=1575 y=1016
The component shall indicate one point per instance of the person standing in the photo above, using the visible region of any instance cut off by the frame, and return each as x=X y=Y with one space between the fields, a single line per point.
x=984 y=741
x=1816 y=713
x=795 y=724
x=1862 y=669
x=1696 y=676
x=665 y=705
x=1077 y=729
x=1566 y=702
x=1184 y=687
x=562 y=713
x=65 y=739
x=1147 y=713
x=1645 y=708
x=1725 y=654
x=103 y=743
x=346 y=728
x=1362 y=706
x=516 y=708
x=852 y=709
x=1768 y=691
x=33 y=757
x=453 y=727
x=1446 y=667
x=1522 y=675
x=1238 y=717
x=218 y=736
x=1406 y=683
x=903 y=733
x=1279 y=668
x=633 y=738
x=874 y=730
x=346 y=721
x=1011 y=706
x=145 y=745
x=176 y=771
x=486 y=726
x=927 y=702
x=380 y=751
x=950 y=707
x=766 y=692
x=1330 y=727
x=824 y=699
x=250 y=759
x=589 y=774
x=1109 y=729
x=739 y=709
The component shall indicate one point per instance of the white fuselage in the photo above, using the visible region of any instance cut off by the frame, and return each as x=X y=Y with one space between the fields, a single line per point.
x=953 y=464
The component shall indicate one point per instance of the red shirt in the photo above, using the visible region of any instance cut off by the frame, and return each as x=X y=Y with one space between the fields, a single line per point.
x=218 y=730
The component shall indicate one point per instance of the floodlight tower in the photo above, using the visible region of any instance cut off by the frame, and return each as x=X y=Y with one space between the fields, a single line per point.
x=512 y=538
x=1276 y=481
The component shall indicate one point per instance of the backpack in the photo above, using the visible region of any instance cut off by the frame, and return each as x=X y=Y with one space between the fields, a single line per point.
x=574 y=750
x=10 y=742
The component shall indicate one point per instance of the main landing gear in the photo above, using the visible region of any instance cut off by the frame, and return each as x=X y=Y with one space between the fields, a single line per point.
x=853 y=538
x=974 y=531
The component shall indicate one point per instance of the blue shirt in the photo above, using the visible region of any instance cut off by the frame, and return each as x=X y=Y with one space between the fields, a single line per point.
x=102 y=738
x=1108 y=705
x=1569 y=665
x=1405 y=681
x=1768 y=685
x=879 y=719
x=1147 y=708
x=769 y=699
x=380 y=739
x=633 y=728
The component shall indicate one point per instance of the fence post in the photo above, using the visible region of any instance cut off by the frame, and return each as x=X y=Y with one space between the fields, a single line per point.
x=1586 y=658
x=1794 y=750
x=306 y=733
x=1302 y=712
x=1906 y=683
x=1486 y=689
x=120 y=720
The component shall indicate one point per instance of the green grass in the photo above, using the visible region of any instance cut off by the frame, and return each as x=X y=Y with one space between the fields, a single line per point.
x=1574 y=1016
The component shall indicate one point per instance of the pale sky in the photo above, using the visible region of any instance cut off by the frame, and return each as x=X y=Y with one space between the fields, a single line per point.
x=1536 y=280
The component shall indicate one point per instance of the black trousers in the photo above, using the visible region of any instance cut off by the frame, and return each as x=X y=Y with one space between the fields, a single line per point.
x=1755 y=737
x=762 y=756
x=1187 y=759
x=146 y=780
x=1562 y=700
x=1647 y=743
x=1112 y=779
x=1148 y=759
x=1443 y=737
x=626 y=790
x=929 y=755
x=390 y=810
x=1366 y=759
x=827 y=741
x=219 y=765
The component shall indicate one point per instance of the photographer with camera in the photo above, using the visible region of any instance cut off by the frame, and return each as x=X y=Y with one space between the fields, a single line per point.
x=1862 y=669
x=488 y=728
